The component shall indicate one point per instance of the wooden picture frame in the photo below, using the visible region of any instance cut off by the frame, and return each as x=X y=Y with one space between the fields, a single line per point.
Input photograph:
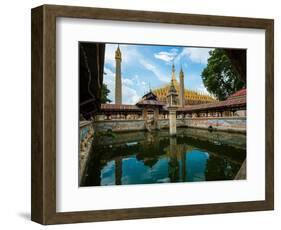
x=43 y=208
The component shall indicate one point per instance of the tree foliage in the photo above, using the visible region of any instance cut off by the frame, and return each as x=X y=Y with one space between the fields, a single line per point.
x=104 y=94
x=220 y=77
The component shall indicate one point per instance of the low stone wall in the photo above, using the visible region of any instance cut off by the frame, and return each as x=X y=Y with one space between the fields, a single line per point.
x=237 y=140
x=164 y=123
x=85 y=137
x=119 y=125
x=231 y=124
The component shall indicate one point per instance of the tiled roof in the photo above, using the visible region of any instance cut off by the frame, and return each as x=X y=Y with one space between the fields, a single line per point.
x=239 y=93
x=241 y=101
x=148 y=96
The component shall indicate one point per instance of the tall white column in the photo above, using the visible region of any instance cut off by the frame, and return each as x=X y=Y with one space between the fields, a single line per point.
x=118 y=78
x=173 y=121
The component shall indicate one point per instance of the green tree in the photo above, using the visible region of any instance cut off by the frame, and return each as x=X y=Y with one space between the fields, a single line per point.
x=220 y=77
x=104 y=93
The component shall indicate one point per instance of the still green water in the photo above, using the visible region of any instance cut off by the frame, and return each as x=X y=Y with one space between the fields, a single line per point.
x=147 y=158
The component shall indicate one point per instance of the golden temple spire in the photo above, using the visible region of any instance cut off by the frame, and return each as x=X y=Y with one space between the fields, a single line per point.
x=181 y=71
x=182 y=99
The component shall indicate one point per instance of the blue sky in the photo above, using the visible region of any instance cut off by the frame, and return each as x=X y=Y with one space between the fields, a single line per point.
x=145 y=66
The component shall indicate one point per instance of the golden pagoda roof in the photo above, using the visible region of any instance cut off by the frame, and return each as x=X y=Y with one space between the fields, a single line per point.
x=191 y=95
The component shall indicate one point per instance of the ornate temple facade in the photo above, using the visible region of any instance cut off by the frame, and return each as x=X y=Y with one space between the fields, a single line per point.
x=186 y=96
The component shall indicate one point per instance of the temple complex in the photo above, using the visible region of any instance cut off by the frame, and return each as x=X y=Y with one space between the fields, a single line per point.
x=172 y=106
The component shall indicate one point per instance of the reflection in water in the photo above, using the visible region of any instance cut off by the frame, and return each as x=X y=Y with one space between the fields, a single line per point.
x=146 y=158
x=196 y=161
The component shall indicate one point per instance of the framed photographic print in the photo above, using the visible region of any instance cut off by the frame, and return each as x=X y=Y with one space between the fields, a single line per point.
x=139 y=114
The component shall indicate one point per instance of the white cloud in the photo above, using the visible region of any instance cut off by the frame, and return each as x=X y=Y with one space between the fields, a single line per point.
x=154 y=70
x=203 y=89
x=134 y=56
x=141 y=85
x=109 y=80
x=127 y=81
x=129 y=94
x=167 y=56
x=197 y=55
x=109 y=55
x=108 y=72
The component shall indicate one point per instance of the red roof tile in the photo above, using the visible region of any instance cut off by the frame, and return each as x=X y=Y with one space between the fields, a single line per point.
x=239 y=93
x=241 y=101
